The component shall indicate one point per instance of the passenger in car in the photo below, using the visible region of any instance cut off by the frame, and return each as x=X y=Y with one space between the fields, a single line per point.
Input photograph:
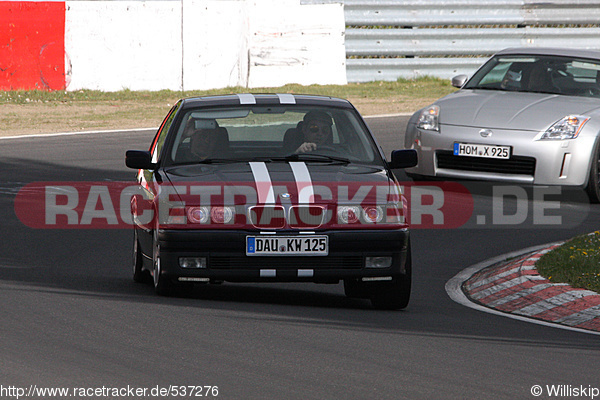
x=206 y=142
x=203 y=143
x=312 y=132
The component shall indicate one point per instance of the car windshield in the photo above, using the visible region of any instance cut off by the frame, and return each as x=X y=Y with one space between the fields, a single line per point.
x=271 y=134
x=539 y=74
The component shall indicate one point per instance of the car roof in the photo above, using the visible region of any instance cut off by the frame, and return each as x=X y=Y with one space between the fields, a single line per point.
x=552 y=51
x=266 y=100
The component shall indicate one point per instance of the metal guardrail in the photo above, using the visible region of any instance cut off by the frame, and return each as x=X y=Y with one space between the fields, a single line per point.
x=391 y=39
x=390 y=69
x=469 y=12
x=462 y=42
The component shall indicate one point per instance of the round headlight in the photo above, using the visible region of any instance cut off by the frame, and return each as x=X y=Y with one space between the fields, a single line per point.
x=197 y=215
x=373 y=214
x=348 y=214
x=221 y=215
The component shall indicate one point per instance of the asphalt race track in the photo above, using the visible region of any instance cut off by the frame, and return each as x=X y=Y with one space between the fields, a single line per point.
x=73 y=318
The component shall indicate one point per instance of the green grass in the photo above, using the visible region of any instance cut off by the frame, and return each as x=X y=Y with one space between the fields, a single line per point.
x=422 y=87
x=576 y=262
x=37 y=111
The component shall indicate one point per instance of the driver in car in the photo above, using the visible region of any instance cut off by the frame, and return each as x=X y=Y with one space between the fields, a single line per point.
x=316 y=131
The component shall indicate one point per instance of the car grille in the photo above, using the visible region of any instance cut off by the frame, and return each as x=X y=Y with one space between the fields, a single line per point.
x=271 y=216
x=516 y=165
x=298 y=216
x=288 y=262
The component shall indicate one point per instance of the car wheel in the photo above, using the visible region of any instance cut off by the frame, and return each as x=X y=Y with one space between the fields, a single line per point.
x=394 y=294
x=593 y=186
x=162 y=284
x=139 y=275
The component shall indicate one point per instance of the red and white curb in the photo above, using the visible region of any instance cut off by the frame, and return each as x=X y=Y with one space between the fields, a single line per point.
x=510 y=285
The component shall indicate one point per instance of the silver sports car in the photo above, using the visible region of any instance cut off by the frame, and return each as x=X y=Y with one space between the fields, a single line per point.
x=528 y=115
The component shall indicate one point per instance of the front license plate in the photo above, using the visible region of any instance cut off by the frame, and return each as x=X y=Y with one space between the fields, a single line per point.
x=481 y=150
x=287 y=245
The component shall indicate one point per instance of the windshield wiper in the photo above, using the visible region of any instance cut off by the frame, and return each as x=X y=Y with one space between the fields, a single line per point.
x=319 y=157
x=311 y=157
x=220 y=161
x=542 y=91
x=293 y=157
x=484 y=88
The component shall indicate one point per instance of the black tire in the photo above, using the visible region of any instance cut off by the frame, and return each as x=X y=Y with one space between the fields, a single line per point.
x=593 y=186
x=394 y=294
x=163 y=285
x=139 y=274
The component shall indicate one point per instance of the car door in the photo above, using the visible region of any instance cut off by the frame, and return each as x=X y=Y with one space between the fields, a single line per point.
x=150 y=180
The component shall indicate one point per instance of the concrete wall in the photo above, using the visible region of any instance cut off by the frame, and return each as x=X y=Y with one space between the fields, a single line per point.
x=292 y=43
x=192 y=44
x=114 y=45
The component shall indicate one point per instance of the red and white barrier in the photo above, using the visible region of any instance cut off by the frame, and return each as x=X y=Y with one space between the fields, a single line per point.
x=32 y=46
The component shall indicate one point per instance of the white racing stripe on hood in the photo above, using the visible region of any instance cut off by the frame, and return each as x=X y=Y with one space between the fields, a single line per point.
x=264 y=186
x=306 y=193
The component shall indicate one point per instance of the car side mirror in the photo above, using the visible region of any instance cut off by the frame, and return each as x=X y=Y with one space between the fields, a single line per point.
x=404 y=159
x=459 y=80
x=139 y=159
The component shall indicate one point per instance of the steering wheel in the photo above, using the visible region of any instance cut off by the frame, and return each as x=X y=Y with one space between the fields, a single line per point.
x=334 y=150
x=328 y=148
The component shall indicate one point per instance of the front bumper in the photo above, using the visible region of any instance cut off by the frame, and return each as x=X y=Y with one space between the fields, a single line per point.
x=225 y=252
x=539 y=162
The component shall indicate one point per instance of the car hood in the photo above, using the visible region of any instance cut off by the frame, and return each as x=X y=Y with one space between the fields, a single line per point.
x=511 y=110
x=238 y=176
